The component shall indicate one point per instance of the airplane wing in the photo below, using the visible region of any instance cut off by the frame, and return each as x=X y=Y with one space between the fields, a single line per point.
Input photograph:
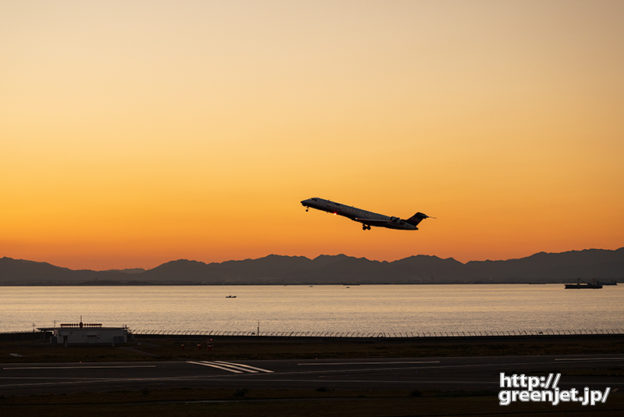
x=371 y=222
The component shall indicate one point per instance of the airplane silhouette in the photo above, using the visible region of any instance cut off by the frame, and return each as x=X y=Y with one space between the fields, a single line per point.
x=367 y=218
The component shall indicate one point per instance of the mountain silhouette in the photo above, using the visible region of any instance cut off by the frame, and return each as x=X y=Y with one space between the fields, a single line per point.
x=589 y=264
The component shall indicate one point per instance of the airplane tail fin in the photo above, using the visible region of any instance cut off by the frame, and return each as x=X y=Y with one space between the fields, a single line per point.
x=417 y=218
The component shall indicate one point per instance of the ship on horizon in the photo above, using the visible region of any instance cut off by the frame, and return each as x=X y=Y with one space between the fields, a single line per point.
x=583 y=285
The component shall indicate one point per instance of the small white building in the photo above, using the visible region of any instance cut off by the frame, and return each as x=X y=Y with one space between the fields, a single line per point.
x=87 y=334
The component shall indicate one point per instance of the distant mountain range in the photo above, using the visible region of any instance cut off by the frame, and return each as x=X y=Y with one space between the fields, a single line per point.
x=589 y=264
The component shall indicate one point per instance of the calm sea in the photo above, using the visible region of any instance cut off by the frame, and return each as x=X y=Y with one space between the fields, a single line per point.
x=326 y=308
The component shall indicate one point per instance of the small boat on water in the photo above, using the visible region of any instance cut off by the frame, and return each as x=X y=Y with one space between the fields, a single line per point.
x=580 y=285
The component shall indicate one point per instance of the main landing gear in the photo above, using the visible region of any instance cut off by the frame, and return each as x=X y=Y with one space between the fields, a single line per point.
x=365 y=227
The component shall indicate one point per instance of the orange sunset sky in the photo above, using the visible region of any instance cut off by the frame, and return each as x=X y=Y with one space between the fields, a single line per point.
x=136 y=132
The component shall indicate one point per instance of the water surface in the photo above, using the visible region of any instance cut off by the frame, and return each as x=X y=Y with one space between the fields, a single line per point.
x=326 y=308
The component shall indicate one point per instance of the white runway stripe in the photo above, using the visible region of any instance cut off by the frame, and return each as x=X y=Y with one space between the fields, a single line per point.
x=251 y=368
x=589 y=359
x=214 y=365
x=362 y=363
x=236 y=366
x=12 y=368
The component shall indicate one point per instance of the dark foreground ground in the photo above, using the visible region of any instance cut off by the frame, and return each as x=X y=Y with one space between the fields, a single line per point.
x=181 y=376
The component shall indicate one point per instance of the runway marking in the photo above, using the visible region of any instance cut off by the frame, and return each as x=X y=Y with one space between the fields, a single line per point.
x=78 y=367
x=360 y=363
x=589 y=359
x=236 y=368
x=53 y=378
x=407 y=368
x=252 y=369
x=381 y=381
x=214 y=365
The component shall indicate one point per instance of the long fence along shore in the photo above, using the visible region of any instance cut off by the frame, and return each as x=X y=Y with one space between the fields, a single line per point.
x=378 y=335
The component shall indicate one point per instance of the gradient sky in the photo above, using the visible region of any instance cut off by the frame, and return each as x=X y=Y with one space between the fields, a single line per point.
x=136 y=132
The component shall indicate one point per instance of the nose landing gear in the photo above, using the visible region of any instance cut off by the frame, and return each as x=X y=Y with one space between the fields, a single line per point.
x=365 y=227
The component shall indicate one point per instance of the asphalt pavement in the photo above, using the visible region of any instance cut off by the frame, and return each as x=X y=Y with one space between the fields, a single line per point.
x=435 y=373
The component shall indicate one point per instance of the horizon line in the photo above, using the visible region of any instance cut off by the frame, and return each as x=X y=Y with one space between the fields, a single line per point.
x=309 y=258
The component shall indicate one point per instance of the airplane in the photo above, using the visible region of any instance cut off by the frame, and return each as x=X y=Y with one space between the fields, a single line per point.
x=367 y=218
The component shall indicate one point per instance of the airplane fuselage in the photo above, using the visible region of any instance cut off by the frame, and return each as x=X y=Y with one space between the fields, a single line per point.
x=367 y=218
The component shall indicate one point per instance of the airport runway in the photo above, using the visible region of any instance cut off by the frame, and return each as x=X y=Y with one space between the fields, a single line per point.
x=436 y=373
